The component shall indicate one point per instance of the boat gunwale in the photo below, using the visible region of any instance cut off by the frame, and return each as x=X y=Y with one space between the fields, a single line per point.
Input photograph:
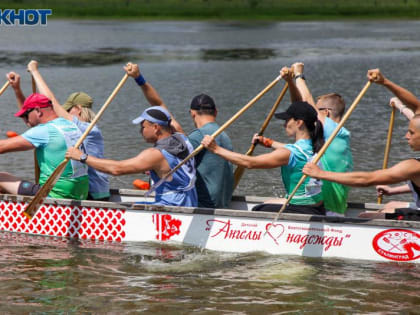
x=225 y=212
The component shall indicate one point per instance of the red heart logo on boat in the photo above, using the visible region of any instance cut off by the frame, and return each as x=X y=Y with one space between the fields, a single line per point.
x=274 y=231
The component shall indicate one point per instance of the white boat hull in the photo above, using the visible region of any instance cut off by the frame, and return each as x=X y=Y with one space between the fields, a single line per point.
x=219 y=230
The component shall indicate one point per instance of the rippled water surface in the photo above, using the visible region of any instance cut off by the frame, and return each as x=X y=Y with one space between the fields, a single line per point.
x=43 y=274
x=232 y=62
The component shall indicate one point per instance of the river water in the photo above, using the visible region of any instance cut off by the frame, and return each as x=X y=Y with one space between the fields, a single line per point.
x=232 y=62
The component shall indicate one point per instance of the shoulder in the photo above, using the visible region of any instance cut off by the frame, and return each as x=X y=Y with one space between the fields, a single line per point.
x=195 y=137
x=410 y=164
x=151 y=153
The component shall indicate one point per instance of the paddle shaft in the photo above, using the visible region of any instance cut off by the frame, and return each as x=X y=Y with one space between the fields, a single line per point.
x=36 y=166
x=49 y=184
x=388 y=143
x=4 y=87
x=240 y=169
x=215 y=134
x=326 y=145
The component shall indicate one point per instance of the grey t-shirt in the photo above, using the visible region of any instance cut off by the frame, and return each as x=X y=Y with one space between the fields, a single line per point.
x=214 y=174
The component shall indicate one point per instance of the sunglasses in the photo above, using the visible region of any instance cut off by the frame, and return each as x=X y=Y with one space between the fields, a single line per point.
x=26 y=114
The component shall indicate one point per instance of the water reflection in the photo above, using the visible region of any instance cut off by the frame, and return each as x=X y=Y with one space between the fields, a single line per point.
x=120 y=55
x=238 y=54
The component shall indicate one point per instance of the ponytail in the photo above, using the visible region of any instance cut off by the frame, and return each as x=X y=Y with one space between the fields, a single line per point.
x=316 y=131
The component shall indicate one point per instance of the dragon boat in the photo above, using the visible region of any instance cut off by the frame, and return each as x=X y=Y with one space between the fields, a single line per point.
x=239 y=230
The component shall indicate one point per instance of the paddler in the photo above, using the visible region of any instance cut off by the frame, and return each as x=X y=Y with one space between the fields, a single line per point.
x=50 y=136
x=169 y=149
x=301 y=124
x=338 y=157
x=407 y=170
x=77 y=109
x=214 y=175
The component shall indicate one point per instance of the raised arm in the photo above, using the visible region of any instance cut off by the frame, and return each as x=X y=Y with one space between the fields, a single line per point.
x=408 y=98
x=287 y=75
x=149 y=92
x=273 y=159
x=45 y=90
x=14 y=80
x=301 y=83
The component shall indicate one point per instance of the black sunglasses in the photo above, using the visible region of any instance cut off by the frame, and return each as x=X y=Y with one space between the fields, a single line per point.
x=26 y=114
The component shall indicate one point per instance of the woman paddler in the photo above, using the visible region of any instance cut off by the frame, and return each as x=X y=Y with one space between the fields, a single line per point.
x=302 y=124
x=77 y=108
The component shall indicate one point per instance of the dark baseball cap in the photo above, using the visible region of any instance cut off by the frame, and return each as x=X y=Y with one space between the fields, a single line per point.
x=202 y=101
x=299 y=110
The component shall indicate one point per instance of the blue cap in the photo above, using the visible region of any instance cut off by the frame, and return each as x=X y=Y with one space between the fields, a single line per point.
x=154 y=114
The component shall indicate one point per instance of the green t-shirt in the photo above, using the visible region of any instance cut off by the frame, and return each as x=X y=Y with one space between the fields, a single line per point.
x=214 y=174
x=309 y=193
x=51 y=141
x=337 y=158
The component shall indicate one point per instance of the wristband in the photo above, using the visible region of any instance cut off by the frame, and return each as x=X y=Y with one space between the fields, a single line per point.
x=140 y=80
x=402 y=108
x=267 y=142
x=300 y=76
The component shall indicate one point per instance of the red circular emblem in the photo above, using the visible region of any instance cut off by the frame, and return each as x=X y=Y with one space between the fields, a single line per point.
x=397 y=244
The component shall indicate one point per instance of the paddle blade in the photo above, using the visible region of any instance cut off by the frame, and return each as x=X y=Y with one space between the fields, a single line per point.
x=40 y=196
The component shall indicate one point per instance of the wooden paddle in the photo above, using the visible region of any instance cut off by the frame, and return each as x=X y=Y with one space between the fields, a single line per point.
x=388 y=143
x=239 y=171
x=49 y=184
x=215 y=134
x=325 y=146
x=36 y=165
x=4 y=87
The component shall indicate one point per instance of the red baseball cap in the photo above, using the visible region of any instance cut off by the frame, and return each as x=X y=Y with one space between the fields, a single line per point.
x=33 y=101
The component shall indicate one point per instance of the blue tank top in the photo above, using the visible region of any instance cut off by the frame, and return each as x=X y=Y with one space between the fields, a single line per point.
x=180 y=191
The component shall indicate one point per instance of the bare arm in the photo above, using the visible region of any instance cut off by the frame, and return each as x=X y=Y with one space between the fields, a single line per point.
x=287 y=75
x=14 y=144
x=267 y=142
x=403 y=94
x=149 y=159
x=301 y=83
x=45 y=90
x=264 y=161
x=149 y=92
x=389 y=190
x=14 y=80
x=402 y=171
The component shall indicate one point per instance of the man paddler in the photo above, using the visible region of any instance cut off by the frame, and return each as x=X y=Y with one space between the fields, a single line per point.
x=50 y=136
x=214 y=175
x=169 y=149
x=407 y=170
x=409 y=105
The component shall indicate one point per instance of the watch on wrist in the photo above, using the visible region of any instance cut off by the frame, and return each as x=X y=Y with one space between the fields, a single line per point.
x=300 y=76
x=83 y=158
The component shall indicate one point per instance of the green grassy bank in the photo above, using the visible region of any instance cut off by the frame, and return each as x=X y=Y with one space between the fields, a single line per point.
x=223 y=9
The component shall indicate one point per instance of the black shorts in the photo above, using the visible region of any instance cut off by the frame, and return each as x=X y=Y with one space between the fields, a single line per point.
x=275 y=207
x=404 y=214
x=28 y=188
